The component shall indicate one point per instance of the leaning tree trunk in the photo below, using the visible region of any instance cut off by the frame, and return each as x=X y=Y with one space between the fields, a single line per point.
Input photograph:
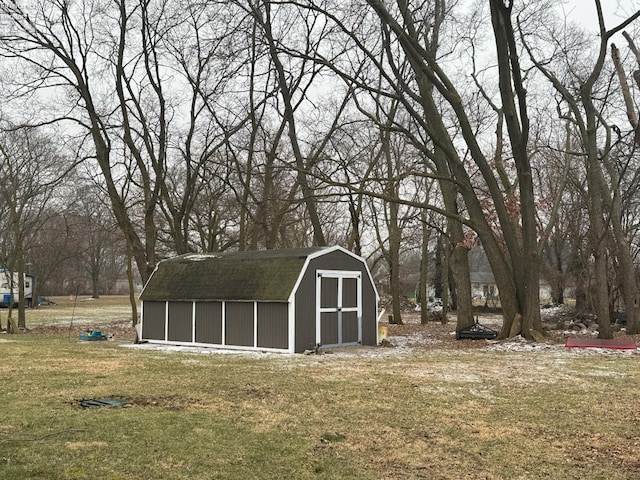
x=524 y=254
x=459 y=259
x=630 y=283
x=597 y=226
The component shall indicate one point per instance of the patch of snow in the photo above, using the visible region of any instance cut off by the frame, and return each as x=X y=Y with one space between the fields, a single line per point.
x=555 y=310
x=585 y=332
x=520 y=344
x=196 y=257
x=402 y=345
x=604 y=373
x=435 y=306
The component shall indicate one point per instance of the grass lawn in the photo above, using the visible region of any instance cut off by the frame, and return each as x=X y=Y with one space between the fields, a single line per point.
x=432 y=413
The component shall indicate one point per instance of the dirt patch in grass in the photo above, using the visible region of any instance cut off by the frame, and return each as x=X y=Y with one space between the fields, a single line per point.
x=168 y=402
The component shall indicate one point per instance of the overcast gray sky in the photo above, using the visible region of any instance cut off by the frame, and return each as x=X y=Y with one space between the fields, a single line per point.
x=584 y=11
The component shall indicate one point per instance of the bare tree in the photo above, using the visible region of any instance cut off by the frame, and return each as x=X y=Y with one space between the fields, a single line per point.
x=30 y=168
x=101 y=250
x=577 y=89
x=58 y=49
x=629 y=280
x=517 y=282
x=263 y=16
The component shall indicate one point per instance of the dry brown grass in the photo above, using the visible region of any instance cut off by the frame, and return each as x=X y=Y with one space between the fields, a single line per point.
x=425 y=409
x=83 y=310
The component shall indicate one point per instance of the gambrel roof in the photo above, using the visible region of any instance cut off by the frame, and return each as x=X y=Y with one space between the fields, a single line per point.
x=265 y=275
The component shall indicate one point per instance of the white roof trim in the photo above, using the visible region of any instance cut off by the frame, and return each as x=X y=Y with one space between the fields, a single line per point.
x=325 y=251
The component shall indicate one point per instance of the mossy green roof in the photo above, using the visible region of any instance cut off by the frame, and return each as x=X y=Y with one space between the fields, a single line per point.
x=266 y=275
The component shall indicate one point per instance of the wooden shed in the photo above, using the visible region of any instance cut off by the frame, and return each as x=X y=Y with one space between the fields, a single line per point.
x=273 y=300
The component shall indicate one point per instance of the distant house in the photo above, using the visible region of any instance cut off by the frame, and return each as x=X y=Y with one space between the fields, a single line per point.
x=483 y=283
x=274 y=300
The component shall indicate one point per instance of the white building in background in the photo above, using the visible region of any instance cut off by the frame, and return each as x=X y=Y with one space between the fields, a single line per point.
x=9 y=288
x=483 y=283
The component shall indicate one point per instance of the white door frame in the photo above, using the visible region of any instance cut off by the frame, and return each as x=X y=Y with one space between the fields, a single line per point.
x=340 y=275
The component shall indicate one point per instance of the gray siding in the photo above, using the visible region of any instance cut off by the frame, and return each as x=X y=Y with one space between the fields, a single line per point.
x=329 y=292
x=239 y=324
x=180 y=327
x=153 y=315
x=328 y=328
x=273 y=325
x=209 y=322
x=350 y=291
x=349 y=327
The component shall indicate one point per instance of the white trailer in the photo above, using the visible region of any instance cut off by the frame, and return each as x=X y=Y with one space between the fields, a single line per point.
x=9 y=288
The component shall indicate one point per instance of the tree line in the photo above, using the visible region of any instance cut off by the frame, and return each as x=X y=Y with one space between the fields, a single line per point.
x=162 y=127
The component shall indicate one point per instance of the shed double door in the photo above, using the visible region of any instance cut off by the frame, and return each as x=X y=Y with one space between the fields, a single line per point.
x=338 y=308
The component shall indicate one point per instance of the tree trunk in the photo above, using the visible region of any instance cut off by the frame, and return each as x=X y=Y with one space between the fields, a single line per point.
x=22 y=302
x=22 y=316
x=423 y=294
x=597 y=234
x=557 y=291
x=444 y=317
x=394 y=262
x=524 y=257
x=627 y=270
x=11 y=326
x=626 y=267
x=438 y=281
x=459 y=263
x=629 y=286
x=579 y=272
x=95 y=277
x=132 y=289
x=459 y=258
x=355 y=211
